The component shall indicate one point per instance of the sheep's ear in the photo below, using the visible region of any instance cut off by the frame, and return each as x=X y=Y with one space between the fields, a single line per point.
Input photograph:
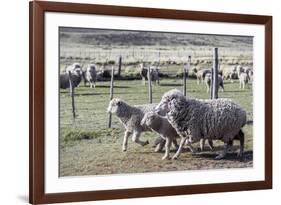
x=118 y=103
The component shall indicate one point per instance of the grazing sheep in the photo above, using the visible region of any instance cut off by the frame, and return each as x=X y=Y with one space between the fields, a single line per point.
x=230 y=72
x=200 y=75
x=76 y=75
x=243 y=80
x=64 y=80
x=250 y=74
x=239 y=69
x=130 y=117
x=91 y=75
x=161 y=125
x=154 y=74
x=193 y=119
x=75 y=69
x=208 y=80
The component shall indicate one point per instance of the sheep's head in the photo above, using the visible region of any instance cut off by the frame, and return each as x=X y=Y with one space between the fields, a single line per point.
x=77 y=71
x=76 y=65
x=114 y=105
x=149 y=118
x=163 y=107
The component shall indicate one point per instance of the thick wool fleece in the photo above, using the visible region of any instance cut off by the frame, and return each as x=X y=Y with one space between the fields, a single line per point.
x=212 y=119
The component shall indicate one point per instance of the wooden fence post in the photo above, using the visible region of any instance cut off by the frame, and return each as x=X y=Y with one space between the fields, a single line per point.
x=111 y=94
x=149 y=85
x=119 y=66
x=215 y=74
x=185 y=74
x=71 y=90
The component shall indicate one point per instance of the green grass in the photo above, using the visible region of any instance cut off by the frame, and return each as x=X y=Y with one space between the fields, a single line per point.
x=88 y=147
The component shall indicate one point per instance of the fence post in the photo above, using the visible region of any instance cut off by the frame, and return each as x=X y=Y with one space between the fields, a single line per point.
x=71 y=90
x=149 y=85
x=215 y=74
x=111 y=94
x=119 y=66
x=185 y=74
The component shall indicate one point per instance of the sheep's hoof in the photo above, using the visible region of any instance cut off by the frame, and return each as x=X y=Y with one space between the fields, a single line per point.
x=157 y=149
x=124 y=149
x=146 y=143
x=240 y=156
x=166 y=157
x=219 y=157
x=175 y=157
x=193 y=151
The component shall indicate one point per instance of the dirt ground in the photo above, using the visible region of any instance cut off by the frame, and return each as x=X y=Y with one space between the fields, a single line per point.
x=103 y=156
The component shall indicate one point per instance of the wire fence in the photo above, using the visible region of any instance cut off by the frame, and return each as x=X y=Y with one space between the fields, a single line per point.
x=91 y=103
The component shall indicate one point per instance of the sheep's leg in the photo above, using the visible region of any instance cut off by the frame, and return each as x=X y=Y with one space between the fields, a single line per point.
x=167 y=147
x=160 y=143
x=202 y=143
x=210 y=144
x=191 y=148
x=157 y=141
x=136 y=136
x=125 y=140
x=224 y=152
x=174 y=141
x=242 y=139
x=91 y=84
x=160 y=146
x=183 y=139
x=222 y=87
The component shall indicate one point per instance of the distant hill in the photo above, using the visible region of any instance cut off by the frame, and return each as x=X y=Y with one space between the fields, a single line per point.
x=102 y=37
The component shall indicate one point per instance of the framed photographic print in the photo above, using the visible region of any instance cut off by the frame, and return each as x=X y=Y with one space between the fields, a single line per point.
x=139 y=102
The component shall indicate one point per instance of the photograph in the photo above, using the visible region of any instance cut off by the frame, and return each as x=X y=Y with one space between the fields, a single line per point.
x=134 y=101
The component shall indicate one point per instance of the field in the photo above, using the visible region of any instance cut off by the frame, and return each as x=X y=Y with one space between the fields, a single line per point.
x=88 y=147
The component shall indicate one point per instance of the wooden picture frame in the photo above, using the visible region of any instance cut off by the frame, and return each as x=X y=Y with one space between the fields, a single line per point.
x=37 y=10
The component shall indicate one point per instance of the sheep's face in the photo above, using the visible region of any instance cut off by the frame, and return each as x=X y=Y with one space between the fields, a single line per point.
x=163 y=107
x=114 y=105
x=148 y=119
x=91 y=67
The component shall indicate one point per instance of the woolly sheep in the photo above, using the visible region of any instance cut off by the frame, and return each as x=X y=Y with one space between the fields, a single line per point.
x=243 y=80
x=160 y=125
x=195 y=119
x=250 y=73
x=130 y=117
x=76 y=76
x=64 y=80
x=75 y=69
x=154 y=74
x=208 y=79
x=76 y=73
x=200 y=75
x=91 y=75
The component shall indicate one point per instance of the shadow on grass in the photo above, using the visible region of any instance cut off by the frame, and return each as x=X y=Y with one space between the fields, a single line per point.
x=170 y=84
x=231 y=156
x=234 y=91
x=115 y=86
